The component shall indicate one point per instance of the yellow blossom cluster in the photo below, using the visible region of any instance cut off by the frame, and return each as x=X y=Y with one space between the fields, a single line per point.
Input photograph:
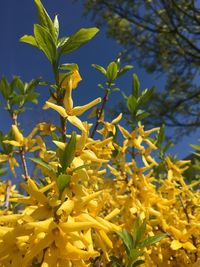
x=73 y=216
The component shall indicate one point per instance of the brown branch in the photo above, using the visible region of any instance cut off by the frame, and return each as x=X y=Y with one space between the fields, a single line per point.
x=188 y=220
x=8 y=190
x=99 y=114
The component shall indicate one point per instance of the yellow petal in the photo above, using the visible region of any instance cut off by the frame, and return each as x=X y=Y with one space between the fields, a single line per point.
x=106 y=239
x=76 y=122
x=66 y=208
x=70 y=81
x=116 y=120
x=124 y=132
x=77 y=111
x=112 y=214
x=18 y=136
x=33 y=191
x=57 y=108
x=36 y=249
x=90 y=155
x=175 y=245
x=59 y=144
x=74 y=253
x=12 y=142
x=189 y=246
x=67 y=101
x=76 y=226
x=3 y=157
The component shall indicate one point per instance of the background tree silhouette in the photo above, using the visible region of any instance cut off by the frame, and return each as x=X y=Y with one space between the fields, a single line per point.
x=162 y=36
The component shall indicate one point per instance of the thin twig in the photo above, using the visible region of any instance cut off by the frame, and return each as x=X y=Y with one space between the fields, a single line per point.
x=8 y=190
x=188 y=220
x=99 y=113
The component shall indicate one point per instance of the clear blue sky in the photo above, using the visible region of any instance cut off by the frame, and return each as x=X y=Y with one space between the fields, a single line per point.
x=17 y=18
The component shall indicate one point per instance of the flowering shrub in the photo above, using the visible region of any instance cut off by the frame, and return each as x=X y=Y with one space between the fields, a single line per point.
x=101 y=201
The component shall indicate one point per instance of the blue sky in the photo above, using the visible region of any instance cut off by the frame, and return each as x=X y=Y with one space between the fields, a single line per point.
x=17 y=18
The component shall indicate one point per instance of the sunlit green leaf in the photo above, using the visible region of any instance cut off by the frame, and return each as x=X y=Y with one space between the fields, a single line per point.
x=127 y=239
x=135 y=86
x=69 y=66
x=112 y=71
x=69 y=153
x=62 y=181
x=45 y=42
x=131 y=103
x=124 y=70
x=29 y=39
x=152 y=240
x=42 y=163
x=78 y=39
x=44 y=19
x=145 y=96
x=99 y=68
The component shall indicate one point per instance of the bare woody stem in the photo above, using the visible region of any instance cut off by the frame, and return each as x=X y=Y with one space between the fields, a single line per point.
x=99 y=113
x=22 y=153
x=188 y=220
x=8 y=190
x=63 y=128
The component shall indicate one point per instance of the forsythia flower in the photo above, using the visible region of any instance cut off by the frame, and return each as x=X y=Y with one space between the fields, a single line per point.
x=68 y=111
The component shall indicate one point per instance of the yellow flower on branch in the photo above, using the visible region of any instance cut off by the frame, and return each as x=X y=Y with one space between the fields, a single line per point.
x=69 y=81
x=21 y=141
x=71 y=113
x=68 y=111
x=175 y=245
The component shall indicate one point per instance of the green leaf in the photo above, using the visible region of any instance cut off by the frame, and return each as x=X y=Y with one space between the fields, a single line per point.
x=45 y=42
x=127 y=240
x=112 y=71
x=5 y=88
x=62 y=41
x=152 y=240
x=69 y=153
x=140 y=115
x=69 y=66
x=115 y=261
x=134 y=254
x=3 y=171
x=42 y=163
x=32 y=97
x=145 y=96
x=29 y=39
x=161 y=135
x=138 y=230
x=56 y=26
x=137 y=263
x=197 y=147
x=17 y=99
x=62 y=181
x=115 y=89
x=124 y=70
x=135 y=86
x=78 y=39
x=131 y=103
x=44 y=19
x=99 y=68
x=17 y=82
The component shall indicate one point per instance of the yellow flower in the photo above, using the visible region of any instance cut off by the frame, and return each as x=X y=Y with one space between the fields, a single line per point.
x=21 y=141
x=11 y=160
x=70 y=81
x=175 y=245
x=71 y=113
